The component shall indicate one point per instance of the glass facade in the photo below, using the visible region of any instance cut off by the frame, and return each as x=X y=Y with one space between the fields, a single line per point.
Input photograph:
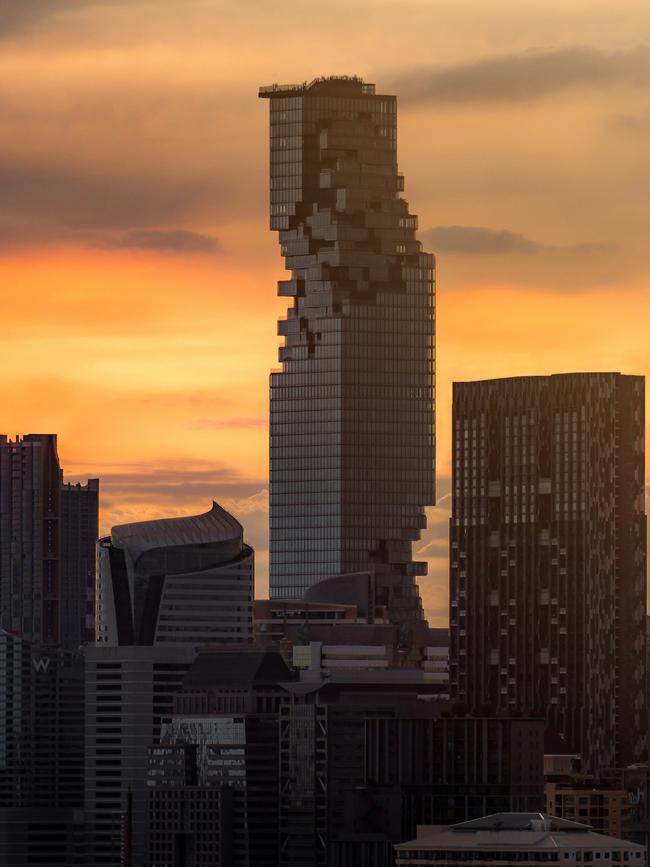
x=182 y=580
x=352 y=410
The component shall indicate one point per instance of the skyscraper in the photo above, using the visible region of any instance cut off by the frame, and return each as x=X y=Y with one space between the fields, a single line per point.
x=30 y=515
x=164 y=588
x=183 y=580
x=79 y=532
x=47 y=545
x=352 y=411
x=548 y=557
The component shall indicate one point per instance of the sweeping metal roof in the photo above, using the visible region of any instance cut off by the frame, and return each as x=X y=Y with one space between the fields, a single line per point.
x=217 y=525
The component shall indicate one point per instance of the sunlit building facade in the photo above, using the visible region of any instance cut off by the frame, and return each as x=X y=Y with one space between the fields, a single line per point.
x=352 y=410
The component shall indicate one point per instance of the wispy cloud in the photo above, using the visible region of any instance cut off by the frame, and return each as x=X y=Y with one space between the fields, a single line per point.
x=49 y=203
x=526 y=76
x=164 y=481
x=484 y=241
x=166 y=241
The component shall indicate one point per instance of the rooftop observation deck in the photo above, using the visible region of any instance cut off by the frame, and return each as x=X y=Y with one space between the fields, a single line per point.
x=332 y=85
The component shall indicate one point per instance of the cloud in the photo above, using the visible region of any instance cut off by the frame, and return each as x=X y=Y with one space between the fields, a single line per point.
x=167 y=241
x=18 y=16
x=483 y=241
x=50 y=204
x=632 y=124
x=478 y=240
x=526 y=76
x=164 y=481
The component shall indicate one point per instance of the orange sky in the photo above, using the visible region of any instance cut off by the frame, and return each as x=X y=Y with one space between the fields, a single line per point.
x=137 y=271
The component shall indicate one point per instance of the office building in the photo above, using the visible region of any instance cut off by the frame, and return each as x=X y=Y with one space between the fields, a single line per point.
x=311 y=767
x=41 y=754
x=79 y=532
x=366 y=756
x=352 y=410
x=165 y=588
x=47 y=542
x=548 y=557
x=175 y=581
x=213 y=779
x=129 y=697
x=511 y=838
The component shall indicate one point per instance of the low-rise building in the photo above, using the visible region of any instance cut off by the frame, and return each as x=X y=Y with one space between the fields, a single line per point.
x=507 y=838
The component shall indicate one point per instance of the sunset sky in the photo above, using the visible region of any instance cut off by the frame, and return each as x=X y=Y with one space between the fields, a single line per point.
x=137 y=270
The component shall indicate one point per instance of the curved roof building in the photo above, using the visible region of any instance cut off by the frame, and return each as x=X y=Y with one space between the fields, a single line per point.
x=182 y=580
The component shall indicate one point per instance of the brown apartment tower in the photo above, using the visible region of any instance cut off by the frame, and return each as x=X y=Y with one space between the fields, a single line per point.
x=48 y=531
x=548 y=557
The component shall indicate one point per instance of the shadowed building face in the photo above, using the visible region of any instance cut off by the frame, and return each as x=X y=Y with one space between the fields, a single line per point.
x=352 y=411
x=548 y=557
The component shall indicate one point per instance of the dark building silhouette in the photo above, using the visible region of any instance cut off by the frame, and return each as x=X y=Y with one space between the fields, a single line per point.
x=47 y=545
x=213 y=780
x=79 y=532
x=41 y=754
x=548 y=557
x=48 y=532
x=264 y=765
x=352 y=411
x=364 y=761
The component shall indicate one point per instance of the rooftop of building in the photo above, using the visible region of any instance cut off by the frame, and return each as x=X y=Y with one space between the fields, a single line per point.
x=327 y=85
x=241 y=667
x=216 y=525
x=577 y=375
x=516 y=831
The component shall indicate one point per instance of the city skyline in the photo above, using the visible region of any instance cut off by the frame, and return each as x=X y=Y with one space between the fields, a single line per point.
x=166 y=343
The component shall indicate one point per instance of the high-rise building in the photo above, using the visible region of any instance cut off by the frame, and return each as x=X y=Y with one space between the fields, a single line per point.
x=30 y=516
x=213 y=780
x=164 y=588
x=548 y=557
x=41 y=754
x=176 y=581
x=48 y=532
x=352 y=410
x=79 y=532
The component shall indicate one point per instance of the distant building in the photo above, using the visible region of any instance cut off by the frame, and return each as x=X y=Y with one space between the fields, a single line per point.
x=47 y=541
x=352 y=411
x=79 y=532
x=365 y=759
x=601 y=804
x=548 y=557
x=510 y=838
x=165 y=588
x=175 y=581
x=338 y=614
x=307 y=767
x=129 y=696
x=41 y=753
x=213 y=779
